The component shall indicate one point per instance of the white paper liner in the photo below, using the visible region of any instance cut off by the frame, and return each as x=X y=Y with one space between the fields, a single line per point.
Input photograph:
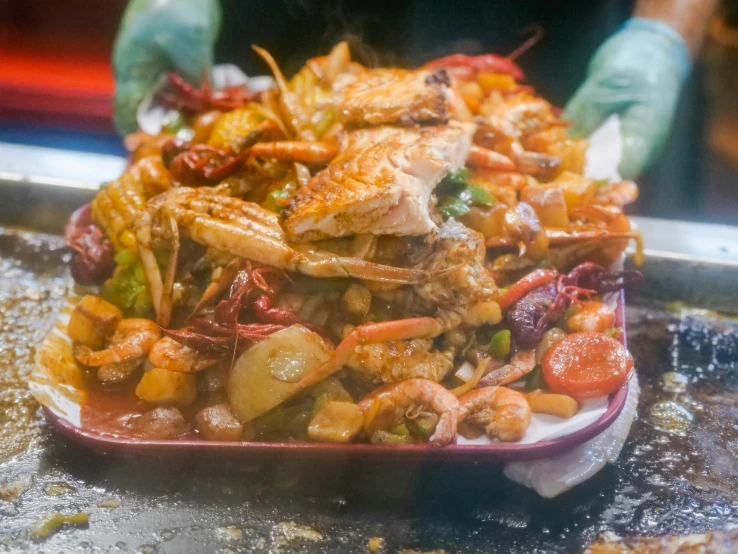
x=605 y=151
x=544 y=427
x=56 y=380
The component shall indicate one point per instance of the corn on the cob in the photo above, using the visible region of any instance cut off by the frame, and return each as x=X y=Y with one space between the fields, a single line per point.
x=117 y=206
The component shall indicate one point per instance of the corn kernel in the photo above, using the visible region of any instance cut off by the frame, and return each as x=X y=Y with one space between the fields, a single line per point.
x=128 y=239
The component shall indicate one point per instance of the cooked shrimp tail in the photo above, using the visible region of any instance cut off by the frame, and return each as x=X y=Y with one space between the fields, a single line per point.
x=133 y=338
x=503 y=412
x=387 y=405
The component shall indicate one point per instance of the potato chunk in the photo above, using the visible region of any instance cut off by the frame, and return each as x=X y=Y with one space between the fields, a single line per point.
x=217 y=423
x=336 y=422
x=269 y=372
x=160 y=386
x=161 y=423
x=92 y=320
x=558 y=405
x=490 y=221
x=578 y=190
x=549 y=204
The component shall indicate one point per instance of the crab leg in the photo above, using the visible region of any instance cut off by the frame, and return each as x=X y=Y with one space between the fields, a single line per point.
x=557 y=237
x=148 y=262
x=417 y=327
x=165 y=305
x=247 y=230
x=218 y=285
x=298 y=119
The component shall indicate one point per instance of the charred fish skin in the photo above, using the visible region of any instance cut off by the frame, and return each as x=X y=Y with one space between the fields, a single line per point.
x=392 y=96
x=381 y=183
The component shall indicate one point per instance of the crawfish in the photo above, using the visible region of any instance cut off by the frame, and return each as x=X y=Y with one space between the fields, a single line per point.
x=186 y=98
x=92 y=256
x=539 y=310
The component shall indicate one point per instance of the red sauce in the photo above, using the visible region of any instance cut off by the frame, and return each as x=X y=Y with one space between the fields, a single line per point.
x=116 y=412
x=107 y=412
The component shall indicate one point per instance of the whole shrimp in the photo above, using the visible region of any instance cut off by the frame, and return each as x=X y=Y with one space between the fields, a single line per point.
x=173 y=356
x=133 y=338
x=503 y=412
x=385 y=406
x=521 y=363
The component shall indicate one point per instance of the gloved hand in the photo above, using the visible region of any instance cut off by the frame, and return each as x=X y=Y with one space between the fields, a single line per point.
x=156 y=36
x=638 y=74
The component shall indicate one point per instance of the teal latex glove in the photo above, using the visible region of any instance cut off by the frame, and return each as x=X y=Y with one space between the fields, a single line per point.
x=638 y=74
x=156 y=36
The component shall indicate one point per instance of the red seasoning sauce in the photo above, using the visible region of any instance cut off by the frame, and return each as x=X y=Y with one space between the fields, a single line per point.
x=111 y=413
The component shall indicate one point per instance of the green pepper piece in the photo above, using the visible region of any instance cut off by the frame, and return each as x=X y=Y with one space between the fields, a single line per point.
x=124 y=257
x=453 y=207
x=139 y=274
x=423 y=425
x=328 y=389
x=460 y=178
x=325 y=121
x=472 y=194
x=499 y=345
x=570 y=311
x=534 y=380
x=142 y=304
x=174 y=124
x=385 y=437
x=275 y=200
x=401 y=430
x=272 y=421
x=297 y=426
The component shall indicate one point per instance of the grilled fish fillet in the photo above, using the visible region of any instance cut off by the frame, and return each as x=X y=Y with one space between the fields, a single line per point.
x=382 y=96
x=379 y=184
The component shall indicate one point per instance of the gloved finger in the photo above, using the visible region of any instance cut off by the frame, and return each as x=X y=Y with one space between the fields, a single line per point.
x=157 y=36
x=584 y=111
x=134 y=78
x=128 y=96
x=189 y=41
x=644 y=129
x=185 y=52
x=189 y=53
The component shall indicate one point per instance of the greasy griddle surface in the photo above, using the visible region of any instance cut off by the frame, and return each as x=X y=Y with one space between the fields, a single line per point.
x=665 y=481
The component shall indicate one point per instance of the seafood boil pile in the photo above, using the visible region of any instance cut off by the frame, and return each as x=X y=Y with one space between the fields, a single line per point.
x=378 y=255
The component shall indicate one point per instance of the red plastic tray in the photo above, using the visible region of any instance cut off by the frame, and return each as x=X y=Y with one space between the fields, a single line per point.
x=487 y=452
